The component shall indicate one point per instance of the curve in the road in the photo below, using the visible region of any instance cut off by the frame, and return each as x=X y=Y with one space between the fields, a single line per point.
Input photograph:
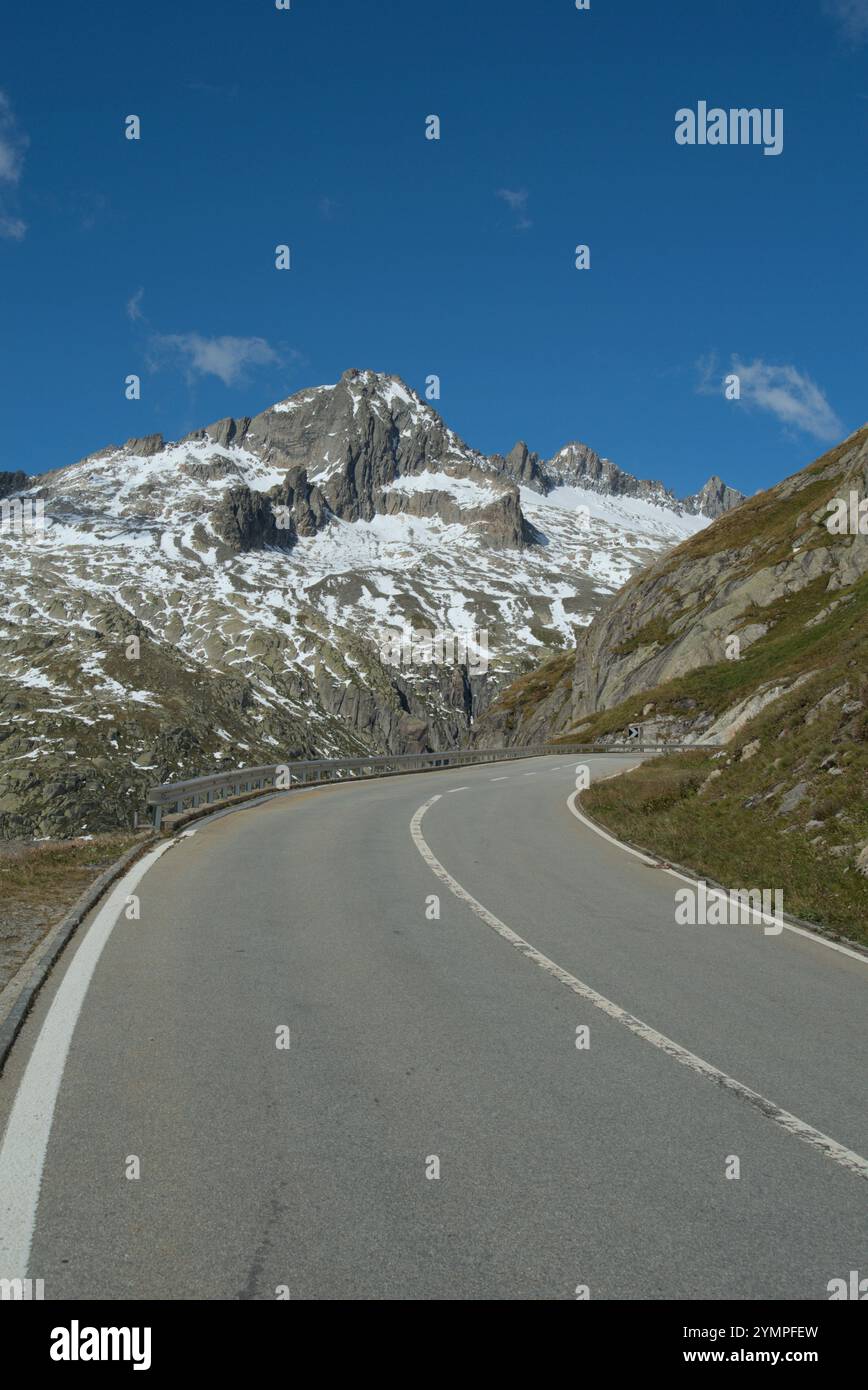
x=854 y=1162
x=416 y=1036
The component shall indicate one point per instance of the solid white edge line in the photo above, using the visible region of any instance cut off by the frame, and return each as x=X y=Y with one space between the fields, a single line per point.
x=845 y=1157
x=711 y=892
x=25 y=1142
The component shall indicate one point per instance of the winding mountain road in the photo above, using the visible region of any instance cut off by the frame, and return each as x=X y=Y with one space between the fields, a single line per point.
x=420 y=1043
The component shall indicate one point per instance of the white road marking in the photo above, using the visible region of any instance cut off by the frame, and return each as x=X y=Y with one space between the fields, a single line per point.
x=712 y=892
x=456 y=789
x=500 y=779
x=791 y=1123
x=530 y=774
x=25 y=1142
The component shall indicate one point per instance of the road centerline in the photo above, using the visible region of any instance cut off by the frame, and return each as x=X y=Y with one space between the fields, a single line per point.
x=838 y=1153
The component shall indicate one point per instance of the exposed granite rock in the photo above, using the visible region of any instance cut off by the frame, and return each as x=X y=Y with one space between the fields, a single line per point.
x=523 y=466
x=245 y=520
x=713 y=499
x=734 y=579
x=145 y=447
x=11 y=483
x=793 y=798
x=296 y=493
x=700 y=594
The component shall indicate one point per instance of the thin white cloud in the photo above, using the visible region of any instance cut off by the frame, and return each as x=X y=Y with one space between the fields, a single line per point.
x=516 y=200
x=13 y=145
x=781 y=390
x=12 y=227
x=852 y=15
x=134 y=305
x=225 y=357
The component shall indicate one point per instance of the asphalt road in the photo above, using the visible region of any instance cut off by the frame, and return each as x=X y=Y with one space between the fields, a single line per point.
x=415 y=1039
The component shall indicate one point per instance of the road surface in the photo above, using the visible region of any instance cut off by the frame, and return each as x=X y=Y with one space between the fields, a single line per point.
x=421 y=1045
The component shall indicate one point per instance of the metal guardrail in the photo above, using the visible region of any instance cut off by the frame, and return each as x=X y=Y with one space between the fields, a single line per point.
x=220 y=786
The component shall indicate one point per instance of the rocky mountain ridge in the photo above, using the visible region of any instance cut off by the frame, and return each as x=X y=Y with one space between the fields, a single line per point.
x=225 y=597
x=693 y=646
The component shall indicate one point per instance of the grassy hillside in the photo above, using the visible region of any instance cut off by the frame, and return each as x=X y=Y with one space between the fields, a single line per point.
x=808 y=633
x=785 y=803
x=39 y=884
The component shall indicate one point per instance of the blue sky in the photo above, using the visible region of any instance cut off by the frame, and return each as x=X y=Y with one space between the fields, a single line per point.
x=456 y=257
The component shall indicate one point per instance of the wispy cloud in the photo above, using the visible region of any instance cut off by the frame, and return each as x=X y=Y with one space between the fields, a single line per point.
x=13 y=144
x=852 y=15
x=516 y=200
x=12 y=227
x=224 y=357
x=134 y=305
x=781 y=390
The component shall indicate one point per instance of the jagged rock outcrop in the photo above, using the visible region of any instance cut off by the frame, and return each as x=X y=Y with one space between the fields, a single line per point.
x=772 y=566
x=297 y=494
x=245 y=520
x=577 y=465
x=146 y=447
x=679 y=614
x=523 y=466
x=713 y=499
x=10 y=483
x=499 y=523
x=223 y=432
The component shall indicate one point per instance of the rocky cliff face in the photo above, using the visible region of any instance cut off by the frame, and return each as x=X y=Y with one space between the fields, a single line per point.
x=11 y=483
x=227 y=597
x=705 y=637
x=714 y=499
x=578 y=466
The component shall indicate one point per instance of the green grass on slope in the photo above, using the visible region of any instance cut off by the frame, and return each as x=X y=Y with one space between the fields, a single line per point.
x=523 y=695
x=735 y=829
x=771 y=522
x=39 y=884
x=790 y=648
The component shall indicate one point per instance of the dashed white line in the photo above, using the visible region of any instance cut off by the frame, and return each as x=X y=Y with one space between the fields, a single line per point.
x=456 y=789
x=845 y=1157
x=500 y=779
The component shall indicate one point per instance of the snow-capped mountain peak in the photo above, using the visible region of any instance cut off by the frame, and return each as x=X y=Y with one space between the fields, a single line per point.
x=258 y=563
